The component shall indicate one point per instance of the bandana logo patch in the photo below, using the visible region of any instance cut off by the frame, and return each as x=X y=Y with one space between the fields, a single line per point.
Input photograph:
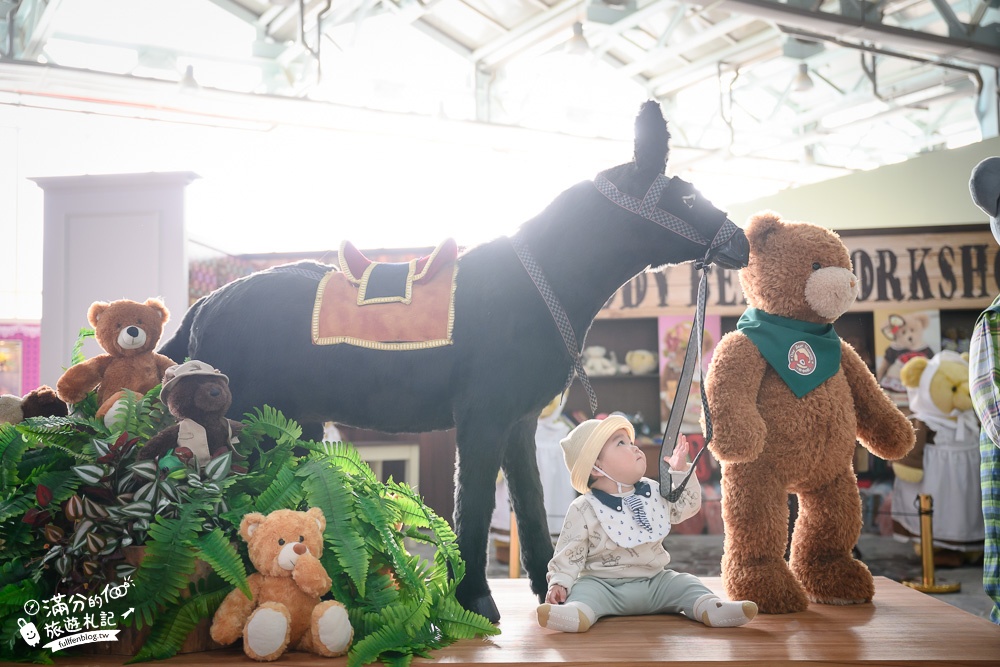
x=801 y=358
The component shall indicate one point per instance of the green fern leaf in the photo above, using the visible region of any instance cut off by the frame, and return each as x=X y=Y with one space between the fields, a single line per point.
x=77 y=356
x=12 y=448
x=215 y=549
x=402 y=625
x=344 y=456
x=170 y=631
x=168 y=563
x=15 y=506
x=328 y=488
x=284 y=492
x=460 y=623
x=271 y=422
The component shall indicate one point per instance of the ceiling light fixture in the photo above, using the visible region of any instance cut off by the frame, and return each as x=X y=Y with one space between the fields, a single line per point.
x=802 y=81
x=577 y=44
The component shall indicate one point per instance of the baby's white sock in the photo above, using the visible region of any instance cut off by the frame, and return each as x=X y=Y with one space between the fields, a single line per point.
x=718 y=613
x=569 y=617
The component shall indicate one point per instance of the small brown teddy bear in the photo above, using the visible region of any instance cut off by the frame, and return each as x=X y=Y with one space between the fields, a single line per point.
x=286 y=610
x=787 y=399
x=128 y=332
x=41 y=402
x=198 y=396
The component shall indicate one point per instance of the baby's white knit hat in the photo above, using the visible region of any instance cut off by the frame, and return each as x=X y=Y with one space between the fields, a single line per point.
x=584 y=443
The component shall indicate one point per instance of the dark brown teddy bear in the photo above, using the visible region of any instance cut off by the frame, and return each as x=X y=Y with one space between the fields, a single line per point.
x=198 y=396
x=41 y=402
x=787 y=400
x=128 y=332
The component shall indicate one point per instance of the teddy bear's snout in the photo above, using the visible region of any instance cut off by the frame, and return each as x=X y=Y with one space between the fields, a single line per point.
x=131 y=338
x=290 y=554
x=831 y=291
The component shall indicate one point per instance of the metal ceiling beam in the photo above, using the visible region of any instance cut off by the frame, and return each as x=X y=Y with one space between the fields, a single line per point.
x=982 y=47
x=525 y=34
x=33 y=24
x=707 y=35
x=706 y=66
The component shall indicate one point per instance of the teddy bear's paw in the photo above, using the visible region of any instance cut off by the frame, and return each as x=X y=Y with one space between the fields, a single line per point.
x=332 y=631
x=770 y=585
x=841 y=582
x=266 y=634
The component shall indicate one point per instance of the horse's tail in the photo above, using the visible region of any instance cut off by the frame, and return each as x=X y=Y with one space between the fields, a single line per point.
x=177 y=347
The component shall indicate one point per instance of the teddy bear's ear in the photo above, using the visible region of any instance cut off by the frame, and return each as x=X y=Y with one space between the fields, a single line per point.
x=249 y=524
x=158 y=306
x=911 y=371
x=95 y=311
x=965 y=356
x=762 y=225
x=320 y=518
x=923 y=319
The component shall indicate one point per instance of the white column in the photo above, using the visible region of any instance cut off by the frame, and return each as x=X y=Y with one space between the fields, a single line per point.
x=111 y=237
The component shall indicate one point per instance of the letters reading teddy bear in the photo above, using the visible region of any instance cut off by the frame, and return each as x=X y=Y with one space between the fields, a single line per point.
x=128 y=332
x=286 y=611
x=787 y=399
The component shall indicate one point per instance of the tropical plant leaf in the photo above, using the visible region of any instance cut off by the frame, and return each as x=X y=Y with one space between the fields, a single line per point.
x=215 y=549
x=62 y=483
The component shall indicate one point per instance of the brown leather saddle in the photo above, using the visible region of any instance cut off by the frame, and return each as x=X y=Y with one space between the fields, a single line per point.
x=387 y=305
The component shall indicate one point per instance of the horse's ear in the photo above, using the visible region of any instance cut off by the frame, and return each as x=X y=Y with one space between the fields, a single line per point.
x=762 y=225
x=651 y=139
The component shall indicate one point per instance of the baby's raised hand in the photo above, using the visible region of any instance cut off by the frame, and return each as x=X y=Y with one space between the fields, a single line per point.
x=679 y=459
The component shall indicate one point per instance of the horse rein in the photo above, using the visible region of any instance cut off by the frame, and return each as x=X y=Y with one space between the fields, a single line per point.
x=559 y=316
x=679 y=405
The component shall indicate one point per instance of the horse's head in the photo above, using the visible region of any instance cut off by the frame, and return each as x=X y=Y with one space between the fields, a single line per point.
x=672 y=203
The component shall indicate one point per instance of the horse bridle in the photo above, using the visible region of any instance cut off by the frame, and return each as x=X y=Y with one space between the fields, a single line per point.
x=647 y=208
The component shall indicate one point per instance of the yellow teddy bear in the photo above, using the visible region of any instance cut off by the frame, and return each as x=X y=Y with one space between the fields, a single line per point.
x=285 y=611
x=945 y=461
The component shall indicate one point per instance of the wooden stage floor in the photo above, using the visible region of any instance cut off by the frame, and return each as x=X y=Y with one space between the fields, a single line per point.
x=900 y=627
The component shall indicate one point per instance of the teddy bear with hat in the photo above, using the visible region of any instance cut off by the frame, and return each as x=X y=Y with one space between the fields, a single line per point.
x=198 y=396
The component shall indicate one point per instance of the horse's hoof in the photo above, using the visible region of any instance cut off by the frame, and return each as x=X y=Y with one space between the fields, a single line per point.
x=484 y=606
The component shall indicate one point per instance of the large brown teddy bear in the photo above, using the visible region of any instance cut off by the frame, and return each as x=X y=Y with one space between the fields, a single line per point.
x=128 y=332
x=286 y=611
x=787 y=399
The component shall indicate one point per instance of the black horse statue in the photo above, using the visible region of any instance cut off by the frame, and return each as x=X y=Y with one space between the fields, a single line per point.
x=512 y=349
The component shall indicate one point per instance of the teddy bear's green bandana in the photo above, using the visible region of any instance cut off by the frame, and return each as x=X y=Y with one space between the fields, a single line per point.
x=804 y=354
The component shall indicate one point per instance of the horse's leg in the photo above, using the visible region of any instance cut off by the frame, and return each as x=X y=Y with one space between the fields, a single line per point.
x=521 y=468
x=480 y=440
